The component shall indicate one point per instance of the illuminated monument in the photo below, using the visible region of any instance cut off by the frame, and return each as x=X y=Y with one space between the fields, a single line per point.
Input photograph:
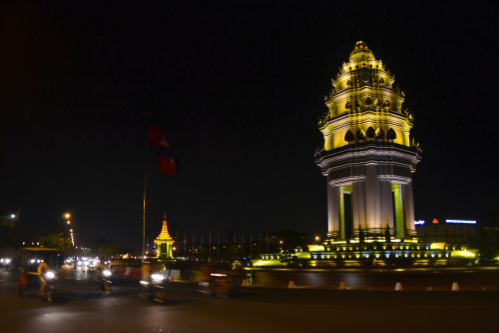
x=368 y=159
x=164 y=243
x=368 y=156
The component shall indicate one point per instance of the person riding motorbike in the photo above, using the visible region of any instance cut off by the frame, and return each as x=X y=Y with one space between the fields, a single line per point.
x=100 y=274
x=152 y=281
x=42 y=268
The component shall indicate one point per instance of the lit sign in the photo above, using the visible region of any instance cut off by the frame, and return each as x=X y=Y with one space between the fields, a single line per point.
x=419 y=222
x=460 y=221
x=435 y=221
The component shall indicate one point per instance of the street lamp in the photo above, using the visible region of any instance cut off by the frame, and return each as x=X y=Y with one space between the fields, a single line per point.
x=65 y=216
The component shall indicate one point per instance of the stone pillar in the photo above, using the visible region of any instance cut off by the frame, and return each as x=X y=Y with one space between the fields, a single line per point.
x=386 y=204
x=359 y=205
x=399 y=212
x=341 y=194
x=372 y=197
x=333 y=211
x=408 y=209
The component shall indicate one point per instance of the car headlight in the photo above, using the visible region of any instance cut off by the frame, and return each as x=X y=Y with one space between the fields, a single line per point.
x=107 y=273
x=157 y=277
x=50 y=275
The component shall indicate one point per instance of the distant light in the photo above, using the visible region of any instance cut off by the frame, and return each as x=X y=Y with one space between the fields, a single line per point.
x=419 y=222
x=317 y=238
x=460 y=221
x=435 y=221
x=67 y=215
x=69 y=222
x=13 y=216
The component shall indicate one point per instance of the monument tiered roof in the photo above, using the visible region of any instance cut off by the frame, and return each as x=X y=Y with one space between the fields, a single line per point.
x=164 y=235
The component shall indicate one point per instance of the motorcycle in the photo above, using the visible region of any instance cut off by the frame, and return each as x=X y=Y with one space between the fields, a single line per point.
x=219 y=284
x=49 y=291
x=154 y=289
x=105 y=282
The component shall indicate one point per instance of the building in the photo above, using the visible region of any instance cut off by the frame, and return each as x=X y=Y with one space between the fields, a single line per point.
x=449 y=231
x=368 y=156
x=164 y=243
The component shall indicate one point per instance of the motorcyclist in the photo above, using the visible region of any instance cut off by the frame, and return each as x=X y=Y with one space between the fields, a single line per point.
x=42 y=268
x=146 y=269
x=99 y=273
x=150 y=270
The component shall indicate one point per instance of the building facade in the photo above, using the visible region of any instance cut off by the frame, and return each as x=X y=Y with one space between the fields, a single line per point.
x=368 y=156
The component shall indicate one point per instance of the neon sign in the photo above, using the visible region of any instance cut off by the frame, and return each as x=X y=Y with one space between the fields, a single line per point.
x=460 y=221
x=435 y=221
x=419 y=222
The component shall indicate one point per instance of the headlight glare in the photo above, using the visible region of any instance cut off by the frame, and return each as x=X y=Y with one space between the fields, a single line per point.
x=157 y=277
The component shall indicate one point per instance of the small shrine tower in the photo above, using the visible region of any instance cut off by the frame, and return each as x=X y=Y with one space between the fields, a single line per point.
x=368 y=157
x=164 y=243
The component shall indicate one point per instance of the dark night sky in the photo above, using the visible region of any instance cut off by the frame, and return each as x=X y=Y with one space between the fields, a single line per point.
x=236 y=88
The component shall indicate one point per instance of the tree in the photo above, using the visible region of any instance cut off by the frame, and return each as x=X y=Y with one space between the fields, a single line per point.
x=98 y=246
x=485 y=249
x=230 y=248
x=57 y=241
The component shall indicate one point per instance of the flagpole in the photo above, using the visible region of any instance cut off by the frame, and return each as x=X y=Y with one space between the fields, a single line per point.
x=145 y=192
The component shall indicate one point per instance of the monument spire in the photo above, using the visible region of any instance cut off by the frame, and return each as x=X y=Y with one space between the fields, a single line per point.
x=364 y=167
x=164 y=235
x=164 y=243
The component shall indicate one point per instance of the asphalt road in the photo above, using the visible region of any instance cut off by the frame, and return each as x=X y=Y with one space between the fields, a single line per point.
x=80 y=308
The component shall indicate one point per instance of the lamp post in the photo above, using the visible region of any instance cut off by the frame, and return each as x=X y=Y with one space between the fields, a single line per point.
x=66 y=217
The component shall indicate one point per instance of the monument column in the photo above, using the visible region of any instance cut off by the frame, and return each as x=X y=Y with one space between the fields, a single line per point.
x=399 y=212
x=408 y=209
x=359 y=206
x=333 y=211
x=341 y=192
x=386 y=204
x=372 y=196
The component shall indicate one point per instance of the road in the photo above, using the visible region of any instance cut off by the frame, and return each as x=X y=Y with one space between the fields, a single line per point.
x=80 y=308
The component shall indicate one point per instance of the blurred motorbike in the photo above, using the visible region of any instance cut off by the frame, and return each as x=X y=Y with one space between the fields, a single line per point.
x=49 y=290
x=154 y=288
x=219 y=284
x=105 y=282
